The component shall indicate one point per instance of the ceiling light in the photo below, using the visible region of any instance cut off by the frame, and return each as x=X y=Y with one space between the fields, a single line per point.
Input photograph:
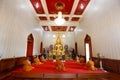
x=37 y=5
x=59 y=20
x=71 y=29
x=54 y=36
x=81 y=6
x=63 y=36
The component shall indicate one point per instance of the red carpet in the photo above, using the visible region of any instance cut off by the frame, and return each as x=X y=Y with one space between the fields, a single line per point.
x=71 y=67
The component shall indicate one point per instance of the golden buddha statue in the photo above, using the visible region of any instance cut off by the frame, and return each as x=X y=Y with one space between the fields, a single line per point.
x=58 y=47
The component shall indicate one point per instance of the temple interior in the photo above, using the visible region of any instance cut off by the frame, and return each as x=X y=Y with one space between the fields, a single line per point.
x=59 y=39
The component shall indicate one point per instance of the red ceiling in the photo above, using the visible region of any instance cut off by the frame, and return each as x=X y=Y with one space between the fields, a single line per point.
x=53 y=5
x=66 y=18
x=52 y=18
x=72 y=28
x=43 y=18
x=80 y=10
x=45 y=28
x=58 y=28
x=75 y=18
x=38 y=10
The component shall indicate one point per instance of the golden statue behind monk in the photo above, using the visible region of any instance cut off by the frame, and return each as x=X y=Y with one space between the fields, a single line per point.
x=58 y=49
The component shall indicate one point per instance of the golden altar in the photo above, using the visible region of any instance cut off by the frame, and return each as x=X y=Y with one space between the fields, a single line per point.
x=58 y=49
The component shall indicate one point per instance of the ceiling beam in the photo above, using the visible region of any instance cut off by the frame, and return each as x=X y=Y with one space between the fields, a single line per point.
x=74 y=8
x=68 y=28
x=52 y=23
x=45 y=9
x=54 y=15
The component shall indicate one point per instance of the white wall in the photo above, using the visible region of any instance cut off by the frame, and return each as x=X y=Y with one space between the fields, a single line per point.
x=101 y=21
x=17 y=21
x=79 y=37
x=69 y=39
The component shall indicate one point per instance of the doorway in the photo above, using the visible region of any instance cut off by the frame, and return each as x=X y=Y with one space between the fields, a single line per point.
x=30 y=42
x=88 y=48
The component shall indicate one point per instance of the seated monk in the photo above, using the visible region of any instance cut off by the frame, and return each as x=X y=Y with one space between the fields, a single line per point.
x=90 y=65
x=42 y=59
x=27 y=65
x=37 y=61
x=82 y=60
x=59 y=65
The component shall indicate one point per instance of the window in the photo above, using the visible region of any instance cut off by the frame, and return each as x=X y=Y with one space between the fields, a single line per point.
x=87 y=52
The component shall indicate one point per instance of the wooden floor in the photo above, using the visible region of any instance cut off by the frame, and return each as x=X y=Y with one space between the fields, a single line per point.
x=111 y=76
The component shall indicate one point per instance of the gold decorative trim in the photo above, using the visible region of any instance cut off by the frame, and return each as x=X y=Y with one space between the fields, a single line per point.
x=59 y=5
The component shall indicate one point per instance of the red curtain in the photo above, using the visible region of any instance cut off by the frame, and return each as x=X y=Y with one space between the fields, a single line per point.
x=29 y=49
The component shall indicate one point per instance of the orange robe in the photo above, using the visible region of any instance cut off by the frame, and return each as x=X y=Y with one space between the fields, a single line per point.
x=27 y=65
